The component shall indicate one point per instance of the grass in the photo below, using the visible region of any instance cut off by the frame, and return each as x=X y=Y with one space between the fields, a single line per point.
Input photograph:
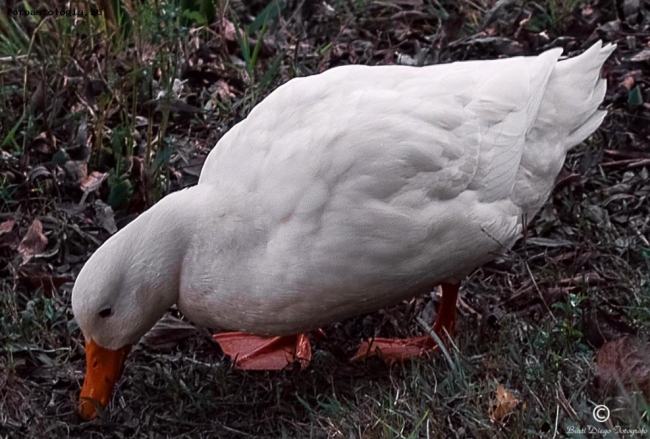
x=143 y=97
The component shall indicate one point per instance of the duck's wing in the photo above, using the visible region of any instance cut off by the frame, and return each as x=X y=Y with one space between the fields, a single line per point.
x=461 y=125
x=383 y=165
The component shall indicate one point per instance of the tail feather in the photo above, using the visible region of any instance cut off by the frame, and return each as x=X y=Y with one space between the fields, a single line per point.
x=583 y=131
x=567 y=115
x=569 y=108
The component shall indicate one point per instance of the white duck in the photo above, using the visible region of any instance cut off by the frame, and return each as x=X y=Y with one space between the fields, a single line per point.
x=340 y=194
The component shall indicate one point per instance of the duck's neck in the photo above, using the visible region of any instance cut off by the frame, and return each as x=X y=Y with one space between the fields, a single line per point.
x=157 y=241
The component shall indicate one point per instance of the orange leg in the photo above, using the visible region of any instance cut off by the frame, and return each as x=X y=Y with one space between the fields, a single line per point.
x=255 y=352
x=392 y=350
x=446 y=318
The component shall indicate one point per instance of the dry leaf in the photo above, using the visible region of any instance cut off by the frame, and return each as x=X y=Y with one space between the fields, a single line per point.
x=642 y=56
x=7 y=226
x=224 y=92
x=629 y=82
x=168 y=333
x=228 y=30
x=624 y=363
x=76 y=170
x=7 y=237
x=39 y=171
x=34 y=276
x=42 y=144
x=38 y=99
x=505 y=403
x=104 y=216
x=33 y=243
x=93 y=181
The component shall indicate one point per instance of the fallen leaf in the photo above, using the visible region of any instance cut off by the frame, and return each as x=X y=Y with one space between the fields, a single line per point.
x=644 y=55
x=227 y=29
x=498 y=11
x=505 y=403
x=43 y=144
x=630 y=11
x=624 y=364
x=34 y=276
x=38 y=99
x=224 y=92
x=33 y=242
x=167 y=333
x=7 y=226
x=76 y=170
x=39 y=172
x=629 y=82
x=600 y=326
x=7 y=237
x=93 y=181
x=105 y=216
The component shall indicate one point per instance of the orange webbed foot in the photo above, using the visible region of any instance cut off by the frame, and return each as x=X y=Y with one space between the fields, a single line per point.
x=255 y=352
x=393 y=350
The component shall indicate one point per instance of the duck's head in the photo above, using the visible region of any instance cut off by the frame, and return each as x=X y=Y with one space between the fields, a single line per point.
x=118 y=296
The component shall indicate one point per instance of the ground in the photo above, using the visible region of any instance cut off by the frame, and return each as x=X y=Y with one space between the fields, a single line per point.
x=103 y=114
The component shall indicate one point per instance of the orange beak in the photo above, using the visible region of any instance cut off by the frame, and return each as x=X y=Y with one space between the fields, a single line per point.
x=103 y=368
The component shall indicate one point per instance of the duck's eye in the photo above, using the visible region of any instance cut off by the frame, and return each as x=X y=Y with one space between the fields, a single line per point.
x=105 y=312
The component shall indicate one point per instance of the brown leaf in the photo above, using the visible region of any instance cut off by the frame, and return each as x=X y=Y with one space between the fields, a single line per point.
x=38 y=99
x=34 y=276
x=224 y=92
x=228 y=30
x=7 y=236
x=629 y=82
x=33 y=242
x=43 y=144
x=7 y=226
x=505 y=403
x=624 y=364
x=93 y=181
x=168 y=333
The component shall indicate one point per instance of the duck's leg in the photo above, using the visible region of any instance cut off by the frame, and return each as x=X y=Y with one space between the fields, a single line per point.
x=395 y=349
x=255 y=352
x=446 y=318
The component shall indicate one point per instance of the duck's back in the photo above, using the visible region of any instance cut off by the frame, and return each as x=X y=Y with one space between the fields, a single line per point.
x=375 y=180
x=462 y=126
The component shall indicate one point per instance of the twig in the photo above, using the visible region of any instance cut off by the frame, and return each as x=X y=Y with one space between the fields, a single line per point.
x=564 y=402
x=628 y=164
x=467 y=307
x=541 y=296
x=8 y=59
